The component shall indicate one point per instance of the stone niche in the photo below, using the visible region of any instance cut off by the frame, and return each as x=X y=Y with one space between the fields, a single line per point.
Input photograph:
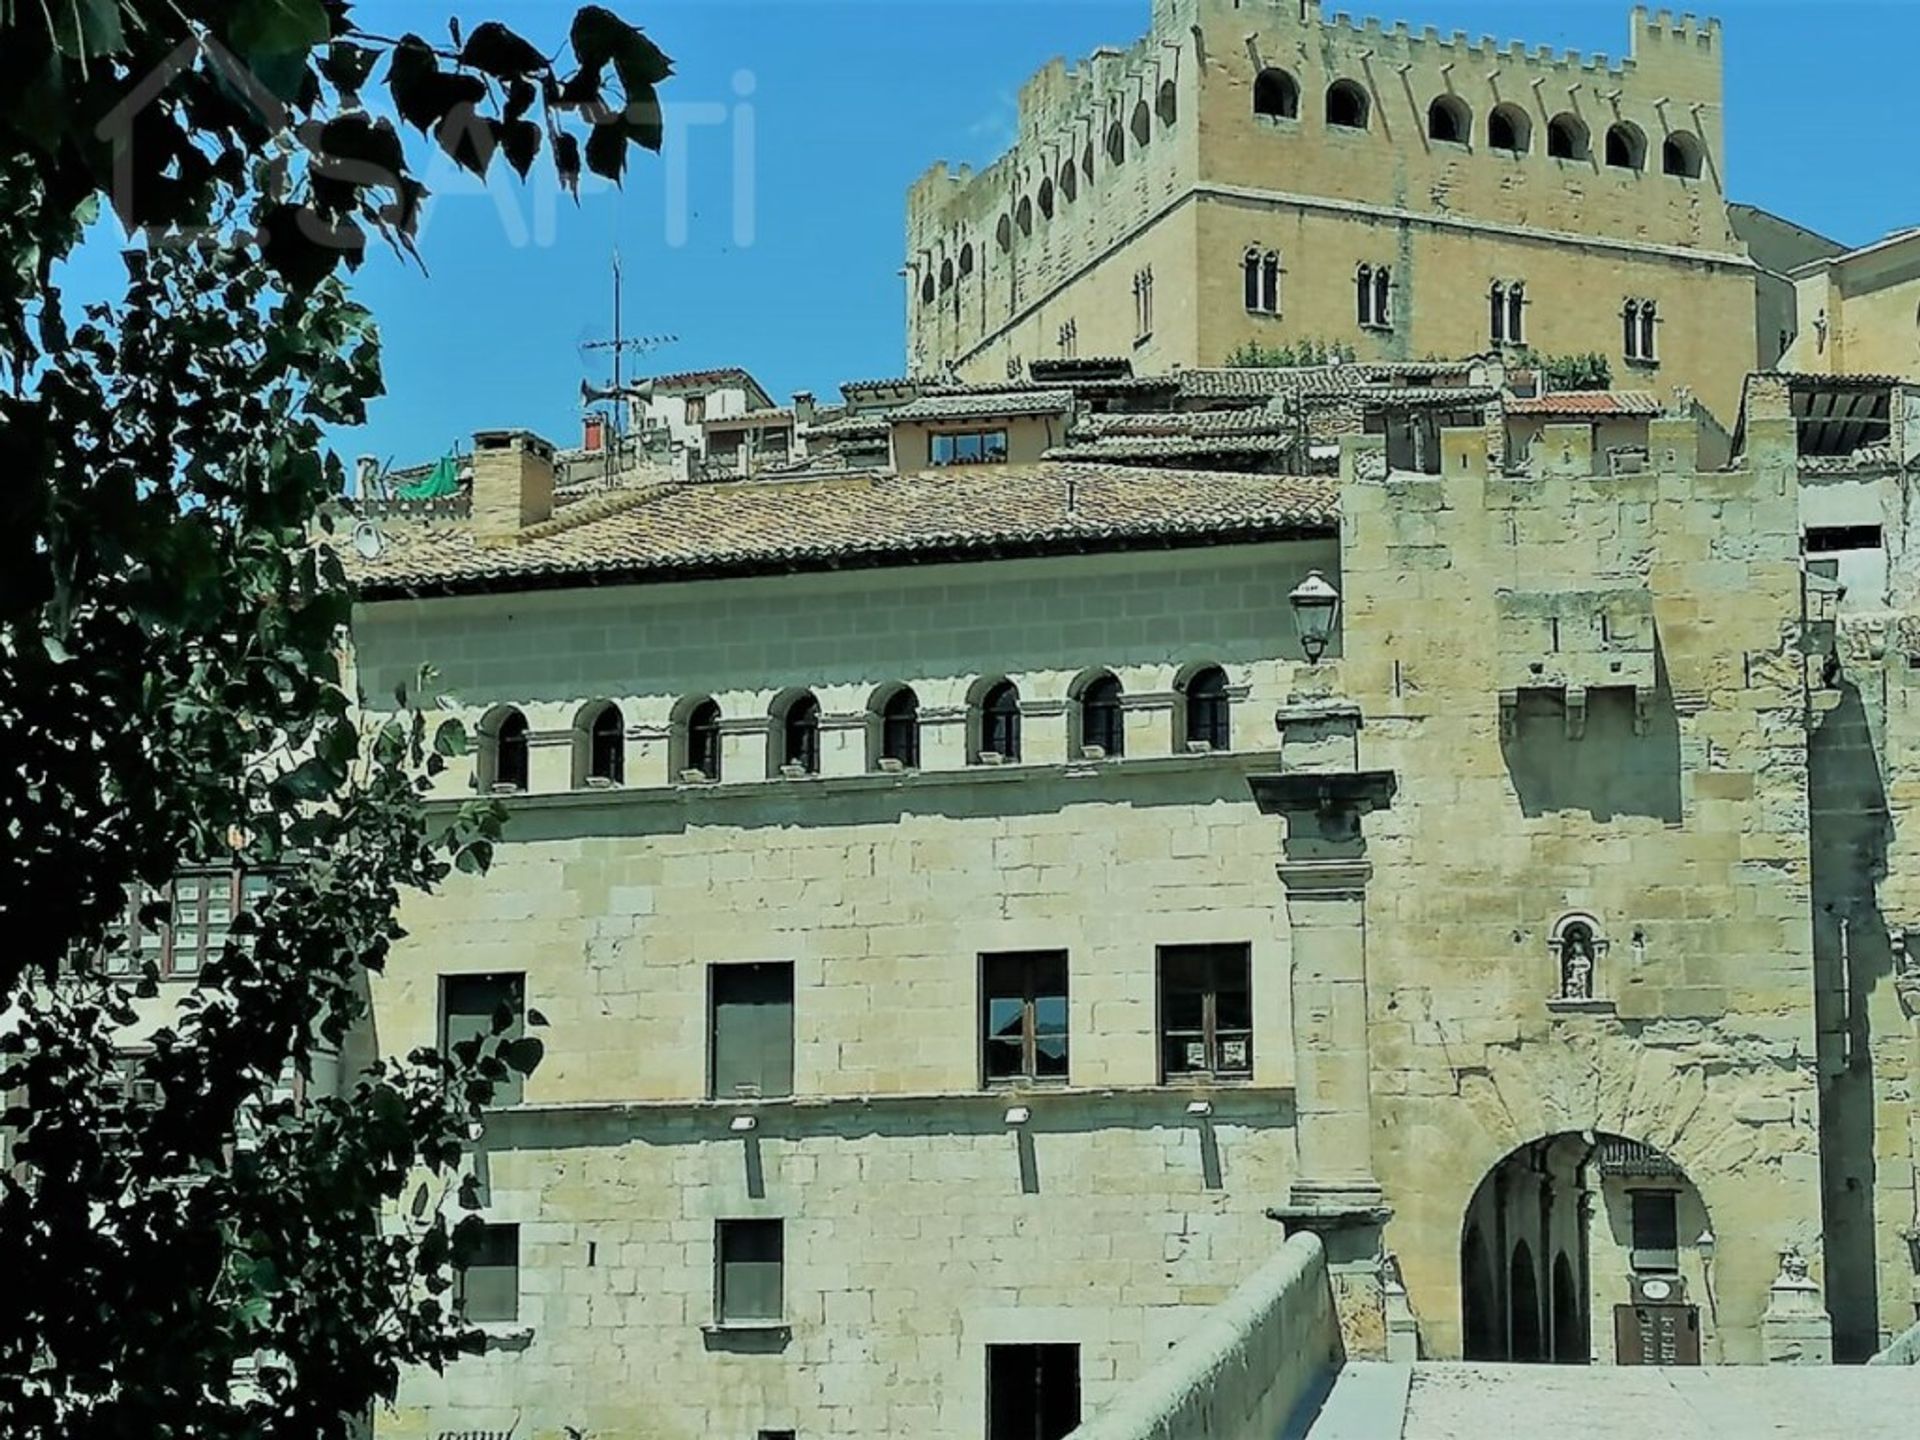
x=1572 y=641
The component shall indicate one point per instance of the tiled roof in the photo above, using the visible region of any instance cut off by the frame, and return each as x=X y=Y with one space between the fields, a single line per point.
x=702 y=379
x=1264 y=382
x=851 y=427
x=1251 y=420
x=681 y=531
x=1586 y=402
x=1170 y=447
x=986 y=404
x=898 y=382
x=766 y=416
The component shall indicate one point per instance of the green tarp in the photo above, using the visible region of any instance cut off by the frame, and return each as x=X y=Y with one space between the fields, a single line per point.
x=444 y=480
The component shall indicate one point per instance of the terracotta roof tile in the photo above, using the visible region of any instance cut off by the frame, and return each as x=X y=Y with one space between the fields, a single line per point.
x=986 y=404
x=679 y=531
x=1586 y=402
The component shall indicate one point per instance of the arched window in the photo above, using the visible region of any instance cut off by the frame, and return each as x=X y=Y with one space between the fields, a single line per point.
x=1207 y=710
x=946 y=276
x=899 y=736
x=1363 y=294
x=1046 y=198
x=1649 y=318
x=966 y=260
x=799 y=735
x=926 y=288
x=1630 y=321
x=1086 y=162
x=1508 y=128
x=1497 y=314
x=1000 y=722
x=1347 y=105
x=1023 y=216
x=1383 y=298
x=601 y=748
x=1276 y=94
x=1270 y=282
x=1640 y=320
x=1250 y=273
x=1116 y=143
x=1449 y=119
x=1517 y=313
x=703 y=740
x=1003 y=233
x=1168 y=103
x=1102 y=722
x=1142 y=124
x=504 y=752
x=1682 y=155
x=1578 y=947
x=1567 y=138
x=1069 y=183
x=1626 y=146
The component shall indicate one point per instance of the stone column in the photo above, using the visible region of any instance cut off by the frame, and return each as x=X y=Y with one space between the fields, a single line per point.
x=1323 y=796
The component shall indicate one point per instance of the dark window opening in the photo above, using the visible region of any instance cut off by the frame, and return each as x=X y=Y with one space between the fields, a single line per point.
x=1116 y=143
x=1033 y=1391
x=1270 y=283
x=1206 y=1012
x=703 y=740
x=1023 y=216
x=1142 y=124
x=1681 y=155
x=1069 y=183
x=1276 y=94
x=1363 y=294
x=967 y=447
x=800 y=735
x=1023 y=1016
x=1626 y=147
x=751 y=1030
x=1168 y=103
x=1000 y=721
x=1656 y=1230
x=1566 y=138
x=510 y=752
x=1102 y=722
x=900 y=729
x=607 y=746
x=1826 y=539
x=1046 y=198
x=1498 y=326
x=486 y=1279
x=1448 y=119
x=475 y=1008
x=1517 y=313
x=749 y=1266
x=1250 y=268
x=926 y=289
x=1347 y=105
x=1509 y=129
x=1208 y=710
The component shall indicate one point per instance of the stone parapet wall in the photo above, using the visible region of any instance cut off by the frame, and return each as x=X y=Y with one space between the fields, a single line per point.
x=1245 y=1368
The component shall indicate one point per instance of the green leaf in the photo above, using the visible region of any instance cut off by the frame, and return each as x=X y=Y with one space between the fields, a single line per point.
x=536 y=1019
x=607 y=150
x=347 y=66
x=523 y=1056
x=520 y=140
x=600 y=37
x=84 y=29
x=474 y=857
x=450 y=738
x=566 y=162
x=494 y=48
x=276 y=27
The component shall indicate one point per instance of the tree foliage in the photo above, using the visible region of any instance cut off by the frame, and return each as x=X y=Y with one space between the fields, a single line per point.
x=200 y=1241
x=1568 y=372
x=1305 y=353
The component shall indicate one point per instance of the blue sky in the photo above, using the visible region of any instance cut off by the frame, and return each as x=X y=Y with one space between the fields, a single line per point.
x=805 y=120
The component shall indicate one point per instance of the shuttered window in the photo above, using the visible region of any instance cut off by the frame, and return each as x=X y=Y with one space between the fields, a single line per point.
x=468 y=1004
x=752 y=1030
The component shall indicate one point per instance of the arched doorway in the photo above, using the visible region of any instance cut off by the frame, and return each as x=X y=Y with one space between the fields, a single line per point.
x=1523 y=1300
x=1570 y=1338
x=1578 y=1227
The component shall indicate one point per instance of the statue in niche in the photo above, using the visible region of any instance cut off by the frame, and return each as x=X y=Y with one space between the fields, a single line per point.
x=1576 y=963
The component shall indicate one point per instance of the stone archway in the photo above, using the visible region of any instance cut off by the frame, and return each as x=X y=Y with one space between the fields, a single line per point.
x=1568 y=1227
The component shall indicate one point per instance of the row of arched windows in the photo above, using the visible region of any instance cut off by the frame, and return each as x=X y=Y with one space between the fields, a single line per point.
x=1096 y=730
x=1276 y=95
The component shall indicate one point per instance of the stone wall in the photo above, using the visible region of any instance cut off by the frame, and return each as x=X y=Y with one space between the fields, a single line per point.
x=1677 y=817
x=1245 y=1369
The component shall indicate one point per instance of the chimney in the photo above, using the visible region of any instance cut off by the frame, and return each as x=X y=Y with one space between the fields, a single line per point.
x=512 y=483
x=802 y=407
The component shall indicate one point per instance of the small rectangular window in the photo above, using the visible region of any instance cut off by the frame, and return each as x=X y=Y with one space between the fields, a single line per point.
x=1206 y=1012
x=749 y=1271
x=752 y=1030
x=1023 y=1017
x=1656 y=1230
x=1033 y=1391
x=967 y=447
x=486 y=1284
x=1826 y=539
x=468 y=1007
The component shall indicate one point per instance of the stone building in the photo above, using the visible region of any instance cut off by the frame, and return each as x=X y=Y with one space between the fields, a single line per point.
x=980 y=906
x=1262 y=174
x=1861 y=309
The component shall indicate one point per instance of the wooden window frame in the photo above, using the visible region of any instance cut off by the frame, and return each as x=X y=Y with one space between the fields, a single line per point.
x=242 y=885
x=1210 y=1033
x=1030 y=963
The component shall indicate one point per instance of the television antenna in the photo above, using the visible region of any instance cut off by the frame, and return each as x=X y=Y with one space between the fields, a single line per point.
x=621 y=346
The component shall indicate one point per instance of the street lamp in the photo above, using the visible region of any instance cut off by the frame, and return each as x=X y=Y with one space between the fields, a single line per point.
x=1315 y=604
